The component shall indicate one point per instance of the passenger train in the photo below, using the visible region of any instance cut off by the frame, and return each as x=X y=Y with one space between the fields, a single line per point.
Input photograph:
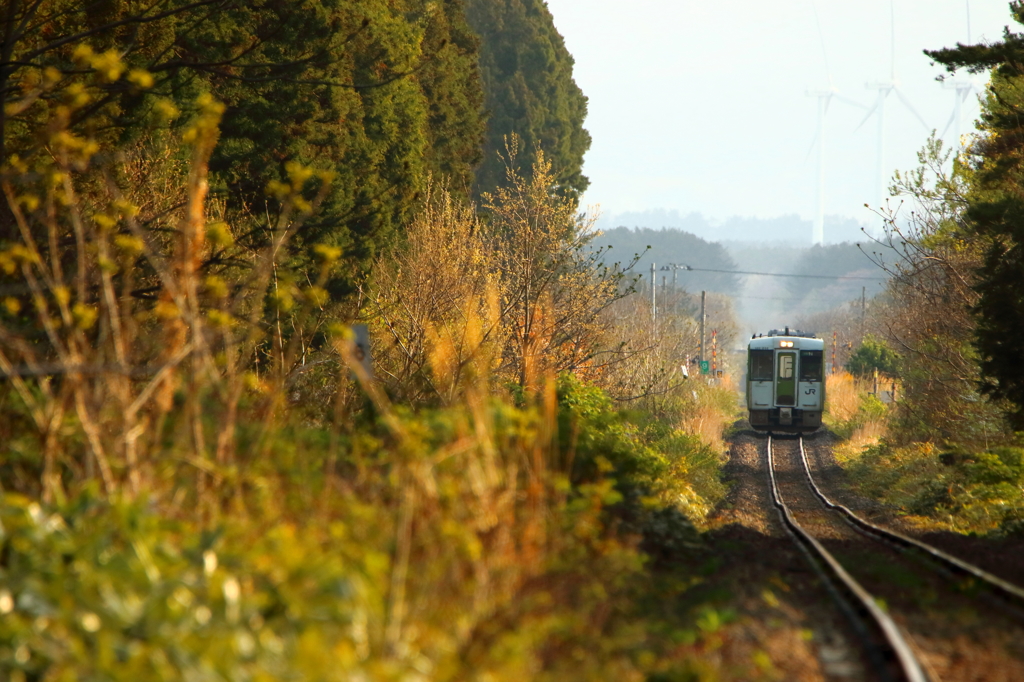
x=785 y=381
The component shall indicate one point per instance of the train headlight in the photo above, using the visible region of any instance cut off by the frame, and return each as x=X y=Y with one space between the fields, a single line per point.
x=785 y=344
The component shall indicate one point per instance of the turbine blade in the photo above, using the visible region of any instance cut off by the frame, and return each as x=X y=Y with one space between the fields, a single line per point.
x=948 y=124
x=814 y=143
x=851 y=102
x=868 y=115
x=908 y=105
x=822 y=115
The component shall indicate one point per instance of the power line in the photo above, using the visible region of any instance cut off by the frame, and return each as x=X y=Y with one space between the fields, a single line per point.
x=781 y=274
x=816 y=299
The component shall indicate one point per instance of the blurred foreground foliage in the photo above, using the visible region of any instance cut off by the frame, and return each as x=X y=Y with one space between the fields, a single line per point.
x=200 y=480
x=447 y=545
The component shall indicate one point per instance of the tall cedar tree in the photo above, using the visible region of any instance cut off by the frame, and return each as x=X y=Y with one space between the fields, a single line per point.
x=380 y=93
x=996 y=210
x=527 y=75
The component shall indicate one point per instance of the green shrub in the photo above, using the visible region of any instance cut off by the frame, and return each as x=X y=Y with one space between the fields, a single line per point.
x=653 y=463
x=964 y=491
x=871 y=355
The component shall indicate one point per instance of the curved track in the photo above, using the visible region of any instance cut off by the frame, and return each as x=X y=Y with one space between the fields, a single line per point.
x=1010 y=593
x=888 y=651
x=920 y=613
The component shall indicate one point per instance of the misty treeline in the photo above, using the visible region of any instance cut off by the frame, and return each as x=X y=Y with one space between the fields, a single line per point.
x=673 y=252
x=786 y=231
x=199 y=475
x=799 y=279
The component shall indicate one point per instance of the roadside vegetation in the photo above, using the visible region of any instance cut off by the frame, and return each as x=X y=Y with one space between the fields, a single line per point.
x=853 y=412
x=202 y=478
x=943 y=452
x=949 y=326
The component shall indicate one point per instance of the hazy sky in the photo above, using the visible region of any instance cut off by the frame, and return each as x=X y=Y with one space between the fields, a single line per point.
x=701 y=105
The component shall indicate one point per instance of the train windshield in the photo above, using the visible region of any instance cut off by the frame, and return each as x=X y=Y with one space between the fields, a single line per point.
x=761 y=365
x=810 y=365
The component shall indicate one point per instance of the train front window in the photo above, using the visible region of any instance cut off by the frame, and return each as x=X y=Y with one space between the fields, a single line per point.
x=786 y=366
x=810 y=365
x=761 y=362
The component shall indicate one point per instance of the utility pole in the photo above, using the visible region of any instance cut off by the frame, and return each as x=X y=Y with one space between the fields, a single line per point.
x=863 y=308
x=835 y=337
x=675 y=292
x=703 y=320
x=654 y=287
x=714 y=353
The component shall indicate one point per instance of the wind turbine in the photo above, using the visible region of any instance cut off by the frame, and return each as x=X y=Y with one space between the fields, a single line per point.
x=884 y=89
x=963 y=89
x=824 y=99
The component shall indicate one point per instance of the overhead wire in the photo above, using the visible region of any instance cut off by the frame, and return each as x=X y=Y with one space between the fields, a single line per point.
x=814 y=298
x=784 y=274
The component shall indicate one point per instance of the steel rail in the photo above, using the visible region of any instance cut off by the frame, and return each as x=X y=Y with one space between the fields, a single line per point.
x=1003 y=588
x=864 y=610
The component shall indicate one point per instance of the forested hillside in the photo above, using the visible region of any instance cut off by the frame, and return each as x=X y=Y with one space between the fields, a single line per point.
x=673 y=250
x=788 y=230
x=825 y=275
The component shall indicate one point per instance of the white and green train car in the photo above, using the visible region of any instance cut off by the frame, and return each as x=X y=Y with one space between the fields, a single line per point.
x=785 y=381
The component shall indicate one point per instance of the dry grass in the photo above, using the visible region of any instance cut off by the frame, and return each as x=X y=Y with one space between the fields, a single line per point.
x=843 y=396
x=864 y=436
x=710 y=418
x=846 y=414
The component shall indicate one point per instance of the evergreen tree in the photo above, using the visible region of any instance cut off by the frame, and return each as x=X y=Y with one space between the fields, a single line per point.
x=995 y=210
x=873 y=354
x=530 y=91
x=379 y=93
x=455 y=96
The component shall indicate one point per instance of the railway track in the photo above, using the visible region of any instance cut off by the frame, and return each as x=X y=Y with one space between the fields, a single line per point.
x=819 y=525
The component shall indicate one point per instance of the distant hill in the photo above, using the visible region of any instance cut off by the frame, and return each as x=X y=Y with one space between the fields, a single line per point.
x=768 y=302
x=672 y=246
x=841 y=260
x=789 y=229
